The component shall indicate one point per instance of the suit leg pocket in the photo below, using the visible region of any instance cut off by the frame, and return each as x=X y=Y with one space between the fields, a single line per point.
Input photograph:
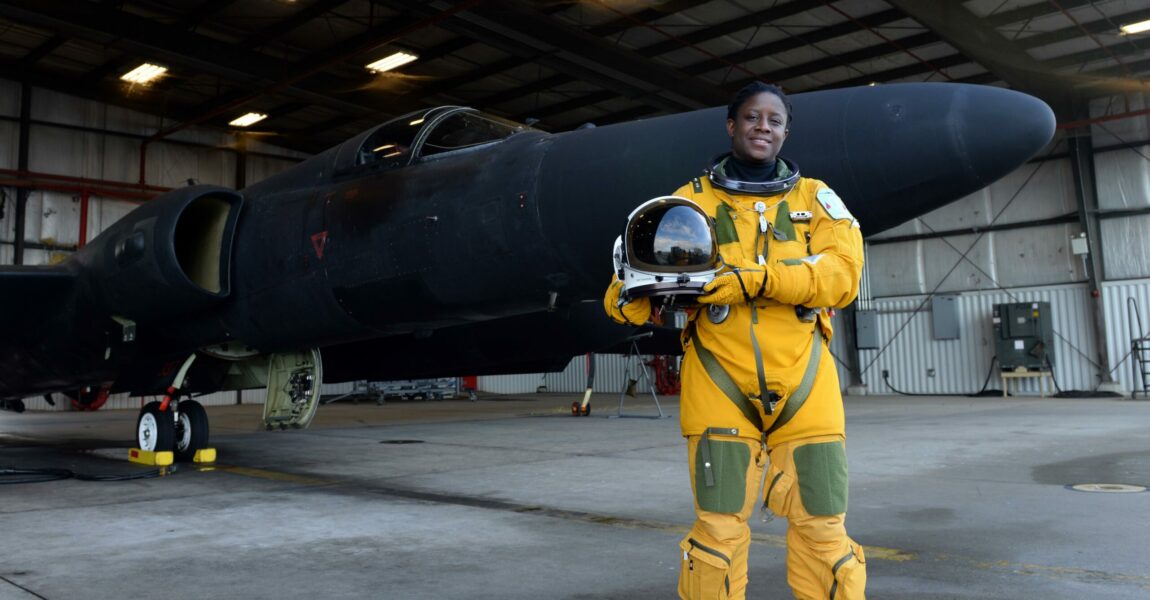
x=705 y=573
x=850 y=575
x=777 y=495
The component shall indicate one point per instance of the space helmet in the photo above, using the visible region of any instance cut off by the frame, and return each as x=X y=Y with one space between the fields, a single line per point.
x=668 y=249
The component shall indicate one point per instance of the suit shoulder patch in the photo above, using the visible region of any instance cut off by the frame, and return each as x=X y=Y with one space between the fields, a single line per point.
x=831 y=203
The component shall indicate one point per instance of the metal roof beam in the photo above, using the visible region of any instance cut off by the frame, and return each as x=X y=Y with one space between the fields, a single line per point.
x=792 y=42
x=980 y=41
x=755 y=19
x=175 y=46
x=846 y=59
x=518 y=29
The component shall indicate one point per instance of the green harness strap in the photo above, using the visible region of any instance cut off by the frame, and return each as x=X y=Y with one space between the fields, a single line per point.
x=723 y=381
x=730 y=389
x=799 y=396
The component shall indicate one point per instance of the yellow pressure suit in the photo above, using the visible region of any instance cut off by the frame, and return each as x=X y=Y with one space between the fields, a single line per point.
x=811 y=257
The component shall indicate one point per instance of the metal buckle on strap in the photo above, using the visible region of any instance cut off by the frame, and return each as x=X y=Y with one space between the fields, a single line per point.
x=705 y=451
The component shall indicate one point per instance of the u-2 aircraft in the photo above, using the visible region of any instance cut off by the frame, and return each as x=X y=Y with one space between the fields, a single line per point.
x=445 y=242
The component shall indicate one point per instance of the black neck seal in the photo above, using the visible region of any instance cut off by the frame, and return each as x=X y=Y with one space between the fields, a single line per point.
x=785 y=177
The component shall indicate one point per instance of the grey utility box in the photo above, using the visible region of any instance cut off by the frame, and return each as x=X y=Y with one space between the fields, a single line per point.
x=866 y=329
x=944 y=317
x=1024 y=336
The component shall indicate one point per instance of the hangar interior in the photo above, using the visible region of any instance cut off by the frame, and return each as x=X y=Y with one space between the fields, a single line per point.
x=954 y=497
x=82 y=146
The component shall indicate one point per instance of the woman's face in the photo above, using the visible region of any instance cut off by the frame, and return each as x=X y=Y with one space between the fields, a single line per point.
x=759 y=128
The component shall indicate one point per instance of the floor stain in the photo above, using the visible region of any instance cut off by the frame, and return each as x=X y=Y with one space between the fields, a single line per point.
x=1131 y=468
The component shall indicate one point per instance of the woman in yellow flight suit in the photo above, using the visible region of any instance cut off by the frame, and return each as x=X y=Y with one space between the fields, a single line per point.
x=759 y=384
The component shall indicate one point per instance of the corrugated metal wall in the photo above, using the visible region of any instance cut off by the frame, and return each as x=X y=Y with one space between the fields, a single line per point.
x=1126 y=303
x=612 y=372
x=909 y=353
x=1010 y=258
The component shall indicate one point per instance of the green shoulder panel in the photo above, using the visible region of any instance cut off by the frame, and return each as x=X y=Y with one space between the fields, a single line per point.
x=724 y=226
x=783 y=225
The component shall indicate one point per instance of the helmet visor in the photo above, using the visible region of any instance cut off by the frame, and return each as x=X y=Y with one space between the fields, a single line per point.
x=671 y=237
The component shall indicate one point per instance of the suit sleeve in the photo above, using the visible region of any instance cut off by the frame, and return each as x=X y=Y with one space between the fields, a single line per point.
x=636 y=312
x=830 y=276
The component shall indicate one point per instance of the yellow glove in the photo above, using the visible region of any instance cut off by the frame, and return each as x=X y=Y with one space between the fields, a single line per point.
x=734 y=287
x=634 y=312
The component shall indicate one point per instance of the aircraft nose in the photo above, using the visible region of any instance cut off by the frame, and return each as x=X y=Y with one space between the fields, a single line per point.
x=999 y=129
x=899 y=151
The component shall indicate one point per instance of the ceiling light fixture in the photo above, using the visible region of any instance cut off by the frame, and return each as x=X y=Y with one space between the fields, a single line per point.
x=1138 y=27
x=248 y=119
x=145 y=73
x=391 y=62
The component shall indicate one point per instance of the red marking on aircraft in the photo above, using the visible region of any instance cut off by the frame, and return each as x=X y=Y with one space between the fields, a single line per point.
x=318 y=242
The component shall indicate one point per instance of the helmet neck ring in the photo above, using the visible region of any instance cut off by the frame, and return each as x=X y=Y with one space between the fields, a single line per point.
x=776 y=186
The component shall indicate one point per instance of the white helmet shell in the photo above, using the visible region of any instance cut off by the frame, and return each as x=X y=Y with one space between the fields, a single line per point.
x=668 y=249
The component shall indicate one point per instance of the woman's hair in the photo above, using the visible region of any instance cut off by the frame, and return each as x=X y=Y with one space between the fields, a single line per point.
x=754 y=88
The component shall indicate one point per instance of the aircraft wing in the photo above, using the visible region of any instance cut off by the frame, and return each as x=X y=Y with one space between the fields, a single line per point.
x=28 y=294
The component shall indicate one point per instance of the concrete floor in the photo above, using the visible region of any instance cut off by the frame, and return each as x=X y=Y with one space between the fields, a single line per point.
x=512 y=498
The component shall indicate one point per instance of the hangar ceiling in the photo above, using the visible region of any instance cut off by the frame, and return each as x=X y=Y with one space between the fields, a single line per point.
x=556 y=63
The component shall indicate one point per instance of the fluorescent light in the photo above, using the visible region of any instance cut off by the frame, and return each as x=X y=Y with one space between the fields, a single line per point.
x=248 y=119
x=391 y=62
x=384 y=147
x=1138 y=27
x=418 y=121
x=144 y=73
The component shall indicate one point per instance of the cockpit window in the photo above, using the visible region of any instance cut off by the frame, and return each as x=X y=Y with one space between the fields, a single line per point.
x=429 y=132
x=390 y=145
x=465 y=129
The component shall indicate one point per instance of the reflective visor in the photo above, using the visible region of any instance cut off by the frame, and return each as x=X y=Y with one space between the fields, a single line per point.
x=671 y=235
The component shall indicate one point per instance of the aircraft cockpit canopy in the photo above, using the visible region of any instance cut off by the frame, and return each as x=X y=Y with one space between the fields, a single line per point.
x=430 y=132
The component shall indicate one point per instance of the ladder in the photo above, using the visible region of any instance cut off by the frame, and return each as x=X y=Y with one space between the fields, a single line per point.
x=1139 y=350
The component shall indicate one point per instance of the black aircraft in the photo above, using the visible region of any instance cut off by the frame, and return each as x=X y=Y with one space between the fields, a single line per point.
x=444 y=242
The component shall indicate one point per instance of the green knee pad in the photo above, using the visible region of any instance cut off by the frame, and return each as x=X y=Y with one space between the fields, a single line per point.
x=822 y=474
x=729 y=464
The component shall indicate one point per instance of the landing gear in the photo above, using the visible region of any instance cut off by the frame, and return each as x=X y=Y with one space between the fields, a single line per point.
x=173 y=429
x=293 y=389
x=191 y=430
x=155 y=429
x=182 y=428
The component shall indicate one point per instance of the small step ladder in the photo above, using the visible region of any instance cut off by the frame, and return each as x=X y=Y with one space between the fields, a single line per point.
x=1139 y=350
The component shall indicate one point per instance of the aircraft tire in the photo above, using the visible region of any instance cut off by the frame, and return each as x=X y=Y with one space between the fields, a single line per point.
x=155 y=430
x=191 y=432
